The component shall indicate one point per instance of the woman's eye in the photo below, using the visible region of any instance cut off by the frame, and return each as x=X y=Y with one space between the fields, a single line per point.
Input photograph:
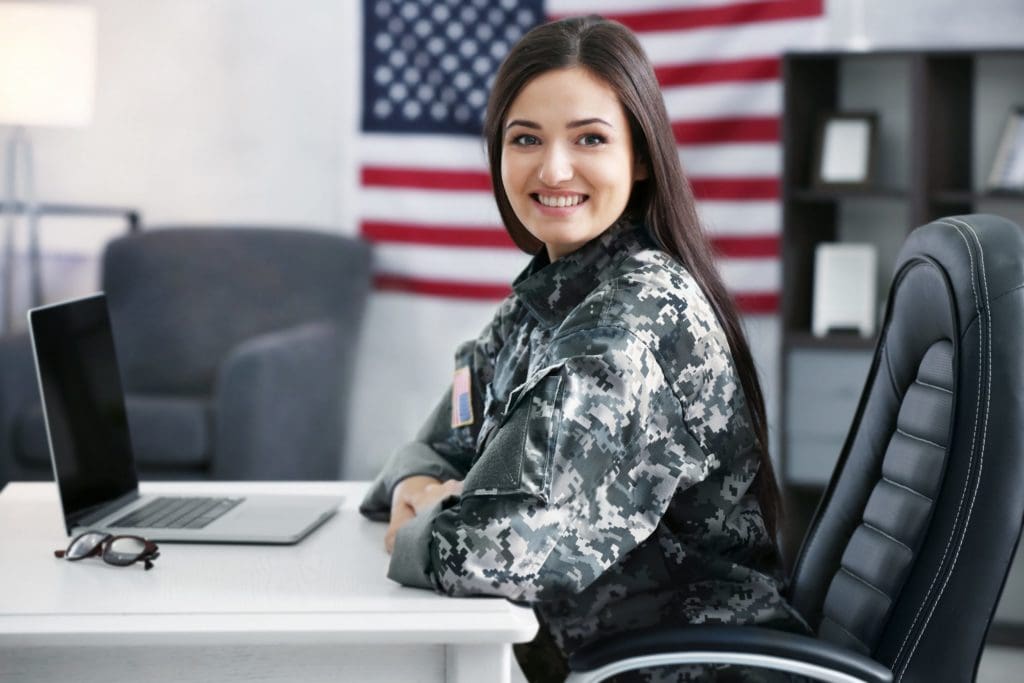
x=591 y=139
x=524 y=140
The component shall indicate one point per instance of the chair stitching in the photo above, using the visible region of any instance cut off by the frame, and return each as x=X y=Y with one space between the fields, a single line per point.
x=919 y=438
x=867 y=583
x=984 y=433
x=906 y=488
x=949 y=541
x=932 y=386
x=970 y=467
x=882 y=533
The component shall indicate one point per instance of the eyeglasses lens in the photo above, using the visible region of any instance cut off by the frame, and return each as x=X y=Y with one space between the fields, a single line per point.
x=124 y=550
x=84 y=545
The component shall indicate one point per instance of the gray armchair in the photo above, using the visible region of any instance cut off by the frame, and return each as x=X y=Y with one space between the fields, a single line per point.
x=236 y=348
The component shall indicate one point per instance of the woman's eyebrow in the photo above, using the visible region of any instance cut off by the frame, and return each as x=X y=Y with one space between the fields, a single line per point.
x=523 y=123
x=586 y=122
x=572 y=124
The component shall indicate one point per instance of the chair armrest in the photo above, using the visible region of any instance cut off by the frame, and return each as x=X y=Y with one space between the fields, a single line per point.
x=278 y=406
x=722 y=644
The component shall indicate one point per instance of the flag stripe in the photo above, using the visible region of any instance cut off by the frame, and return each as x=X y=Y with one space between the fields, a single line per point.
x=457 y=181
x=757 y=69
x=738 y=189
x=447 y=288
x=725 y=15
x=723 y=100
x=766 y=246
x=729 y=246
x=740 y=42
x=716 y=131
x=757 y=303
x=425 y=178
x=409 y=233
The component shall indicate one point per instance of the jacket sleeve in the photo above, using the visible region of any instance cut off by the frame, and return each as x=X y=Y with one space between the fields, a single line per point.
x=441 y=450
x=590 y=454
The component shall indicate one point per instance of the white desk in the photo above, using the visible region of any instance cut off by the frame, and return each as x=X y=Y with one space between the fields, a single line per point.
x=322 y=610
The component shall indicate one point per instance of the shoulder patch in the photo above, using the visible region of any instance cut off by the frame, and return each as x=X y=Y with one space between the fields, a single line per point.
x=462 y=401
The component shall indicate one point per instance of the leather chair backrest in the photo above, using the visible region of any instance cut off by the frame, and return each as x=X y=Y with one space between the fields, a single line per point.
x=913 y=539
x=182 y=298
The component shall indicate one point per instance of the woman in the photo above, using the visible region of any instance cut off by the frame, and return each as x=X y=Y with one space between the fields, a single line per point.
x=601 y=454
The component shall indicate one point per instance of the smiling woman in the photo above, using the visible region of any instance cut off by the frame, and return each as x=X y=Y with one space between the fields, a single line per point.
x=567 y=162
x=601 y=452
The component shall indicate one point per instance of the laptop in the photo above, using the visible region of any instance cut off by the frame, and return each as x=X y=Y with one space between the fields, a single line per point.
x=90 y=445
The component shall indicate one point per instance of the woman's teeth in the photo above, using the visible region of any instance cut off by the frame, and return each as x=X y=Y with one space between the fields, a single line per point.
x=560 y=202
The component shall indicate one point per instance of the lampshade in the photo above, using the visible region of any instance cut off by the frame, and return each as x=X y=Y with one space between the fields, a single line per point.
x=47 y=64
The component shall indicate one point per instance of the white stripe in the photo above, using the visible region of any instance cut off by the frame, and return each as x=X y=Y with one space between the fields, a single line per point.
x=464 y=154
x=468 y=208
x=762 y=39
x=450 y=152
x=754 y=98
x=737 y=159
x=750 y=275
x=501 y=266
x=471 y=264
x=477 y=209
x=740 y=218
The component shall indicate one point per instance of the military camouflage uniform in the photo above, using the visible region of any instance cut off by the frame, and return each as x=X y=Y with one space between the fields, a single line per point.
x=608 y=467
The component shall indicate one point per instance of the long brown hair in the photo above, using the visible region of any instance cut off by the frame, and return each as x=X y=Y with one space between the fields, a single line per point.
x=664 y=200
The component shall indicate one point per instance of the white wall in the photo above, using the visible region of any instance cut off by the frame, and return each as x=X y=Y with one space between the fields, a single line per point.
x=235 y=111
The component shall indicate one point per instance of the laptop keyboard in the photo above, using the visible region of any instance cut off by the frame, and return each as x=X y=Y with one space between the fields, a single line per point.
x=177 y=513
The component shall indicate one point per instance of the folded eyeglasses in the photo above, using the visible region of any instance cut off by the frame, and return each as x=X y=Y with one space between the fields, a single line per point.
x=119 y=551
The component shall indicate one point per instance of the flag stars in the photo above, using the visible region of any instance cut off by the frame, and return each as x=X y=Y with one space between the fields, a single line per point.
x=453 y=45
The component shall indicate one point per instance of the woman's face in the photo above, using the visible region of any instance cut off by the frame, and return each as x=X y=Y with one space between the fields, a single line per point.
x=567 y=162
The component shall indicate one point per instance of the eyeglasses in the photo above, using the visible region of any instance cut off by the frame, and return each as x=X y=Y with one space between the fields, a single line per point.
x=119 y=551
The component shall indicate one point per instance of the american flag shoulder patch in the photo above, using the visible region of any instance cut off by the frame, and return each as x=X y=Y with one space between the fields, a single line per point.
x=462 y=402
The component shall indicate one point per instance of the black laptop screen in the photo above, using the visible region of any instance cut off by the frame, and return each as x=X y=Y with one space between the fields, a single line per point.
x=84 y=404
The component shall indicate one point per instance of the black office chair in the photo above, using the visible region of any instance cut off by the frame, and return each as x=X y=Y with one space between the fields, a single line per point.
x=903 y=565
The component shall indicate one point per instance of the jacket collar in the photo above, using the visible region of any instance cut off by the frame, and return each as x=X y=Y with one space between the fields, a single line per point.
x=551 y=290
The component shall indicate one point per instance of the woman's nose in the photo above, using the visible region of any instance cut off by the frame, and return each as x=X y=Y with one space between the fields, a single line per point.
x=556 y=166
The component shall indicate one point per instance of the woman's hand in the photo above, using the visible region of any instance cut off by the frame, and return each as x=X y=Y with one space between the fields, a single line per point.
x=430 y=494
x=412 y=496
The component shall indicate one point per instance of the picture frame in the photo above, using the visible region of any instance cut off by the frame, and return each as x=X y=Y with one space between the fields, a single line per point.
x=1007 y=174
x=845 y=149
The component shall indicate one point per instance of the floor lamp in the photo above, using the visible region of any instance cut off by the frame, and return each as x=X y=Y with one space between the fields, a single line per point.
x=47 y=78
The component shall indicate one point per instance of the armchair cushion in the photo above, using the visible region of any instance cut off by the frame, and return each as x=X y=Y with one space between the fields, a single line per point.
x=167 y=433
x=278 y=410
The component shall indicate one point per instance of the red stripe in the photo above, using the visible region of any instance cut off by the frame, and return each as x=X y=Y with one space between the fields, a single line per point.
x=725 y=130
x=762 y=302
x=736 y=189
x=409 y=233
x=768 y=68
x=425 y=179
x=443 y=288
x=727 y=15
x=761 y=246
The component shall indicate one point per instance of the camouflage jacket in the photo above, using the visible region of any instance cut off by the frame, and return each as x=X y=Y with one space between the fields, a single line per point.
x=607 y=464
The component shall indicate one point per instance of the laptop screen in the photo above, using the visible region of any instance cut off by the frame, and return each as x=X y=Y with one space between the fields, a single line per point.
x=84 y=404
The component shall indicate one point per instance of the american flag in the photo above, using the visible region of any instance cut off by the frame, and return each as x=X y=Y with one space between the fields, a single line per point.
x=425 y=197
